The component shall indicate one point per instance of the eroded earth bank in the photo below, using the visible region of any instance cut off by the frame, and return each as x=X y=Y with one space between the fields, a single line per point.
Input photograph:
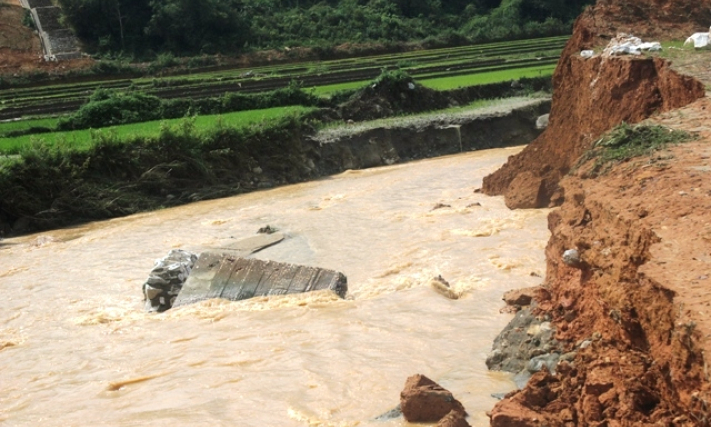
x=641 y=295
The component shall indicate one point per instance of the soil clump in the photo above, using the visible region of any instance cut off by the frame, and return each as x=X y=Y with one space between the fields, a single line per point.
x=424 y=401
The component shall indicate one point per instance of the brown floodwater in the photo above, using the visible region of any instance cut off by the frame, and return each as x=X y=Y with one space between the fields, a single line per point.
x=76 y=349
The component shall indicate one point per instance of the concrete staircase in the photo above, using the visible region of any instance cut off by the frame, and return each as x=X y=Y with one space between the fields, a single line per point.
x=58 y=42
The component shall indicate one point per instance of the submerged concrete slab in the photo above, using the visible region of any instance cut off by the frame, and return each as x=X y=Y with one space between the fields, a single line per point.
x=250 y=245
x=225 y=275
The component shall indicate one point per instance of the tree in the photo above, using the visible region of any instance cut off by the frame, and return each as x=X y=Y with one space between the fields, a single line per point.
x=190 y=26
x=109 y=24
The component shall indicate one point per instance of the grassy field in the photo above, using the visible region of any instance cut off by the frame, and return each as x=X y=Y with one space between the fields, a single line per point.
x=446 y=83
x=325 y=76
x=17 y=125
x=84 y=139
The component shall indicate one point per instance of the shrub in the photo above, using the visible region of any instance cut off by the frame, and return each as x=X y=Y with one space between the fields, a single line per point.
x=112 y=108
x=625 y=142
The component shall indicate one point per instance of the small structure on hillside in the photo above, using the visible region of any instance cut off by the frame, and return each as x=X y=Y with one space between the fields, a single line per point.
x=58 y=41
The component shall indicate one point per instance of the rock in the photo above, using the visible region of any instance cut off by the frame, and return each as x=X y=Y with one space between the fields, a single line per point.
x=524 y=192
x=521 y=379
x=453 y=419
x=440 y=206
x=442 y=286
x=542 y=121
x=525 y=337
x=424 y=401
x=520 y=297
x=166 y=279
x=391 y=414
x=549 y=361
x=571 y=257
x=224 y=275
x=267 y=230
x=250 y=245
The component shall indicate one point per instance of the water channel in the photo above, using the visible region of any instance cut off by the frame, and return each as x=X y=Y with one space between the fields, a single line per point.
x=76 y=349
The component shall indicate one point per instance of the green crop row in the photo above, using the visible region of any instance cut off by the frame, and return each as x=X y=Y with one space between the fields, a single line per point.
x=446 y=83
x=81 y=140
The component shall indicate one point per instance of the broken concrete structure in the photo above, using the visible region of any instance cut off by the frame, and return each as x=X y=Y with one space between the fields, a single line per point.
x=224 y=275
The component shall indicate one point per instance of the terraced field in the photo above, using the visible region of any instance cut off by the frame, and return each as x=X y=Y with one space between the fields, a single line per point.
x=438 y=68
x=79 y=140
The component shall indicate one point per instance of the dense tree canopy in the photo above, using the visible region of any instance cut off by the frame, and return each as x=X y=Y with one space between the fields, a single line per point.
x=207 y=26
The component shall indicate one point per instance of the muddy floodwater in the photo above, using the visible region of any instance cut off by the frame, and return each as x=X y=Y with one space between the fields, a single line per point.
x=76 y=349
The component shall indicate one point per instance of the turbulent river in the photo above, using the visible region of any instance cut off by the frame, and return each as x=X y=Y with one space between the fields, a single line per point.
x=76 y=349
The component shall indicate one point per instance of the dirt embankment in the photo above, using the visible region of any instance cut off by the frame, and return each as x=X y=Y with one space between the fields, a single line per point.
x=590 y=97
x=639 y=303
x=20 y=46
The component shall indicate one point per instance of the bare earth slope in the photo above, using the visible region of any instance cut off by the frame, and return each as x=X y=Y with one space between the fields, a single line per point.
x=20 y=47
x=593 y=95
x=642 y=298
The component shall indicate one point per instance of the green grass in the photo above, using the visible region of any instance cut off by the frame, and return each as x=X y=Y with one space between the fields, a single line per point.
x=28 y=123
x=84 y=139
x=331 y=89
x=446 y=83
x=625 y=142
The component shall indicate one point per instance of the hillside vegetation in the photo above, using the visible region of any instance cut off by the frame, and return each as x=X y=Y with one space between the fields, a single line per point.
x=143 y=28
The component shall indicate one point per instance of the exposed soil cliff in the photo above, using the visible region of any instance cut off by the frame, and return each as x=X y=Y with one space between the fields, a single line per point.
x=642 y=296
x=639 y=301
x=593 y=95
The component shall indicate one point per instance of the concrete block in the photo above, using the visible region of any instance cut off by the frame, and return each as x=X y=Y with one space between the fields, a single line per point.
x=225 y=275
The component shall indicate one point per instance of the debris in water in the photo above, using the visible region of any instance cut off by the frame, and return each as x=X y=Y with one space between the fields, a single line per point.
x=224 y=275
x=166 y=279
x=440 y=206
x=118 y=385
x=442 y=286
x=267 y=230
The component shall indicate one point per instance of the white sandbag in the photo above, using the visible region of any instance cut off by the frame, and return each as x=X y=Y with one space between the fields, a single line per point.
x=698 y=39
x=651 y=46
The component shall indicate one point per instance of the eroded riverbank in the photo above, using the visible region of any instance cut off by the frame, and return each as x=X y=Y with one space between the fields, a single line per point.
x=51 y=188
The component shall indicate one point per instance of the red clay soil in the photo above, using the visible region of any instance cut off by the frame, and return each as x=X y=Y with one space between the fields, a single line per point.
x=641 y=301
x=590 y=96
x=643 y=298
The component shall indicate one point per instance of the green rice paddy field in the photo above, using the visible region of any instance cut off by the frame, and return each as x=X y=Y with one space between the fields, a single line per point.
x=84 y=139
x=440 y=69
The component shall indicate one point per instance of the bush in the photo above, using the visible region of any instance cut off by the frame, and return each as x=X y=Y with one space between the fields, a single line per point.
x=112 y=108
x=108 y=108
